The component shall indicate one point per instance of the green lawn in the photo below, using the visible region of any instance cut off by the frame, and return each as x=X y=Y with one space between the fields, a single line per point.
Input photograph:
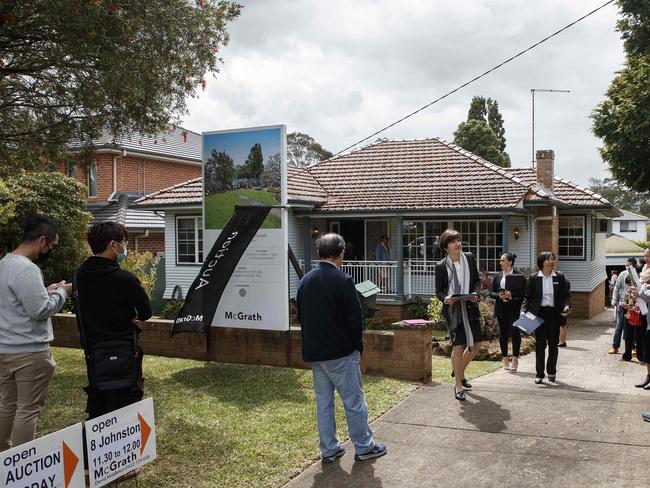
x=220 y=206
x=220 y=425
x=441 y=369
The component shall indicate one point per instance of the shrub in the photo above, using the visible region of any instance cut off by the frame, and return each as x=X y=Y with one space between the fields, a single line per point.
x=171 y=308
x=143 y=265
x=434 y=310
x=418 y=309
x=60 y=198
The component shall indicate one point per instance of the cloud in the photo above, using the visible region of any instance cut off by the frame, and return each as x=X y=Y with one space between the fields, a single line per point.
x=341 y=70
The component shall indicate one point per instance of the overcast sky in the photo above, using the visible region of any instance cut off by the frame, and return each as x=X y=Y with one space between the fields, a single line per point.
x=340 y=70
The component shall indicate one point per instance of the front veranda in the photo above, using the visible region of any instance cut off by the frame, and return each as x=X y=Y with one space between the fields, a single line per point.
x=414 y=251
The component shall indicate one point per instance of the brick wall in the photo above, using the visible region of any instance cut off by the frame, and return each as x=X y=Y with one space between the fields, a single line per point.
x=547 y=231
x=402 y=353
x=154 y=243
x=545 y=163
x=134 y=174
x=587 y=305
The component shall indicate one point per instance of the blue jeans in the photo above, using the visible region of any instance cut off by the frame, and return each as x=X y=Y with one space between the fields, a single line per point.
x=343 y=374
x=620 y=323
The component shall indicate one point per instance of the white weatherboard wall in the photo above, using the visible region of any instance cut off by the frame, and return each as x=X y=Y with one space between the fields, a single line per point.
x=585 y=274
x=521 y=246
x=177 y=274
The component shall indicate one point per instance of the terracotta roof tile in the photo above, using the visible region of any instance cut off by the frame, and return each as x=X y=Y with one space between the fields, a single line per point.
x=564 y=190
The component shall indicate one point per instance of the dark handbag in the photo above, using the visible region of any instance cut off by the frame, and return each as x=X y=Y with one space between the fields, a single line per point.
x=113 y=364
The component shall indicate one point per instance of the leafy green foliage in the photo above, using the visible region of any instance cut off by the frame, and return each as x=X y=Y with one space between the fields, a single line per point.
x=434 y=310
x=622 y=120
x=303 y=150
x=70 y=69
x=621 y=196
x=219 y=172
x=483 y=132
x=254 y=165
x=418 y=309
x=143 y=265
x=61 y=199
x=171 y=309
x=477 y=137
x=7 y=204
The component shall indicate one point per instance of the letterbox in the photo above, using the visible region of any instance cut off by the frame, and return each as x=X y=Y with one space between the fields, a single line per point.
x=368 y=292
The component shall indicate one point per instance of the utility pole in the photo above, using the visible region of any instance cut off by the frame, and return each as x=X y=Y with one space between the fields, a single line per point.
x=532 y=93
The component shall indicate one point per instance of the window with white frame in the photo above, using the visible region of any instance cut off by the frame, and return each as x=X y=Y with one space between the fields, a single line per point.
x=483 y=238
x=572 y=237
x=628 y=226
x=92 y=179
x=189 y=239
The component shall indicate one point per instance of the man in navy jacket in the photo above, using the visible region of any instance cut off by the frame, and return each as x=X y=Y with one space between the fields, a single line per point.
x=330 y=315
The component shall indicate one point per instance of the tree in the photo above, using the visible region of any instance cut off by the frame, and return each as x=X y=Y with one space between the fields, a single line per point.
x=483 y=117
x=71 y=70
x=477 y=137
x=620 y=196
x=303 y=150
x=61 y=199
x=254 y=165
x=622 y=120
x=219 y=172
x=272 y=176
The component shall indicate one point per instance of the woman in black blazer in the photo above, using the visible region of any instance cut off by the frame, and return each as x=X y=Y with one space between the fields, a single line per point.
x=507 y=305
x=458 y=274
x=549 y=298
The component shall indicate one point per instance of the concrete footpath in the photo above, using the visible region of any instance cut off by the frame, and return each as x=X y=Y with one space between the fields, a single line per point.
x=585 y=430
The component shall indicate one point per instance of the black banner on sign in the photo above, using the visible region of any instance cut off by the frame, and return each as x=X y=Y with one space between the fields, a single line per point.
x=203 y=297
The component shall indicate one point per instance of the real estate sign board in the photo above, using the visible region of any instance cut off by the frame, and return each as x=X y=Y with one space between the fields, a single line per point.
x=248 y=167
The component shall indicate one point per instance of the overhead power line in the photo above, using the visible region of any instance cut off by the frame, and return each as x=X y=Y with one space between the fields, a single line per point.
x=485 y=73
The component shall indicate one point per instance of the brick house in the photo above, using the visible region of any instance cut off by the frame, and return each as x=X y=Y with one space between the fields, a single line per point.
x=125 y=169
x=412 y=190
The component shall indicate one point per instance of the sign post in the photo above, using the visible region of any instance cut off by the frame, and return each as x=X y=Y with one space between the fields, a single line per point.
x=120 y=441
x=54 y=460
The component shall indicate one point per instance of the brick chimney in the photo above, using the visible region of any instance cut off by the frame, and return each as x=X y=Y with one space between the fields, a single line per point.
x=545 y=159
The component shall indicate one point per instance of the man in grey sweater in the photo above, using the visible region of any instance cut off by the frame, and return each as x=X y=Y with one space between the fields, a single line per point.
x=26 y=364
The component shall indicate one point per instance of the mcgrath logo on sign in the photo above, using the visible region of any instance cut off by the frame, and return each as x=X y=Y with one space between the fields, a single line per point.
x=251 y=317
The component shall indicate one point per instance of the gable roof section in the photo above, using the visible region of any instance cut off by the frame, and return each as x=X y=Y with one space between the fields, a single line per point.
x=121 y=210
x=627 y=215
x=564 y=190
x=616 y=245
x=301 y=186
x=417 y=174
x=172 y=144
x=189 y=193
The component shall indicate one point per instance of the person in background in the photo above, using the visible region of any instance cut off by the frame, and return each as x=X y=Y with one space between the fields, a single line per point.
x=382 y=254
x=110 y=299
x=332 y=322
x=548 y=298
x=26 y=363
x=457 y=274
x=507 y=306
x=612 y=284
x=617 y=295
x=643 y=293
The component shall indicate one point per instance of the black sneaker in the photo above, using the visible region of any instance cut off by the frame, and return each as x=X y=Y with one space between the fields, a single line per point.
x=466 y=384
x=538 y=381
x=562 y=345
x=551 y=378
x=377 y=451
x=333 y=457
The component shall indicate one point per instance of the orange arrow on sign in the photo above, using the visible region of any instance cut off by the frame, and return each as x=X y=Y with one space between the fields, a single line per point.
x=145 y=430
x=70 y=461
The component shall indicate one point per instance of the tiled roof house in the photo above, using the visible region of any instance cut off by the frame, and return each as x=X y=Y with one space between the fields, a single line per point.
x=412 y=190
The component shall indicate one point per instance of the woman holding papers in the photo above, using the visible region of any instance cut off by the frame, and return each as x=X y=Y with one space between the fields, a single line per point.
x=458 y=285
x=508 y=290
x=548 y=298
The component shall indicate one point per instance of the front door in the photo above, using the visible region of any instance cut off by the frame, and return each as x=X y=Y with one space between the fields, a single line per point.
x=374 y=230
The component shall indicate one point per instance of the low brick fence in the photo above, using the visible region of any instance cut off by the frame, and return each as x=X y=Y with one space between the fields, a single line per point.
x=404 y=352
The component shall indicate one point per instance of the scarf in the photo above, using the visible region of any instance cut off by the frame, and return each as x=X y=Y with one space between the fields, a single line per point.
x=460 y=285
